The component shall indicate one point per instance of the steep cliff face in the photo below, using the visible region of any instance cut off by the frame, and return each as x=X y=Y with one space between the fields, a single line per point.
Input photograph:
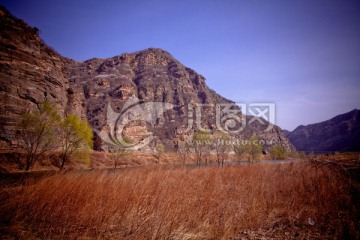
x=340 y=133
x=153 y=75
x=31 y=72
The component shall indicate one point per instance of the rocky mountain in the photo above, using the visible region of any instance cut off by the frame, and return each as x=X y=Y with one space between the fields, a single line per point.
x=286 y=132
x=30 y=72
x=97 y=89
x=340 y=133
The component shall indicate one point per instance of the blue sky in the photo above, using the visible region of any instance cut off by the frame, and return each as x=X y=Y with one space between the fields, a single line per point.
x=303 y=55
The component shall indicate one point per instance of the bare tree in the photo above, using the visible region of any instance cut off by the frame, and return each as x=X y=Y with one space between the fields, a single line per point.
x=119 y=152
x=240 y=151
x=222 y=146
x=255 y=149
x=250 y=148
x=202 y=143
x=184 y=152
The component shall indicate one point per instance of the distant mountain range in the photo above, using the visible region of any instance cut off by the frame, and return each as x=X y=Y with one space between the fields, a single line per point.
x=340 y=133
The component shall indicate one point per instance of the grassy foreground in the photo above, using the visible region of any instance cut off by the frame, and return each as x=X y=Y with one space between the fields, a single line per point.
x=282 y=201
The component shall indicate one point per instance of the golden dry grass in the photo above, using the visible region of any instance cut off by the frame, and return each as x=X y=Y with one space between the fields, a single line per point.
x=181 y=203
x=105 y=160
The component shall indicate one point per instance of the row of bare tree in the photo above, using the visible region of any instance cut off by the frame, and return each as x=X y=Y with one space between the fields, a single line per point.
x=205 y=144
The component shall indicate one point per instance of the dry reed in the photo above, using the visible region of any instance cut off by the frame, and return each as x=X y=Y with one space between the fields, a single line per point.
x=180 y=203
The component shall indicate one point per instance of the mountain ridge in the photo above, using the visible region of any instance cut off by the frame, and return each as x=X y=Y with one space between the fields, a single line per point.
x=31 y=72
x=339 y=133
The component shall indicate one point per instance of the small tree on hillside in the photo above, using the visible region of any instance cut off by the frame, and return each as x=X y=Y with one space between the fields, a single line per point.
x=75 y=138
x=37 y=131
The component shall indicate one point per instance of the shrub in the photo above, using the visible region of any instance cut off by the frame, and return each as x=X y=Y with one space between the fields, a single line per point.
x=278 y=153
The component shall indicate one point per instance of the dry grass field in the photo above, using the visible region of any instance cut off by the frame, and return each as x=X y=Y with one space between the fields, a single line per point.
x=102 y=160
x=280 y=201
